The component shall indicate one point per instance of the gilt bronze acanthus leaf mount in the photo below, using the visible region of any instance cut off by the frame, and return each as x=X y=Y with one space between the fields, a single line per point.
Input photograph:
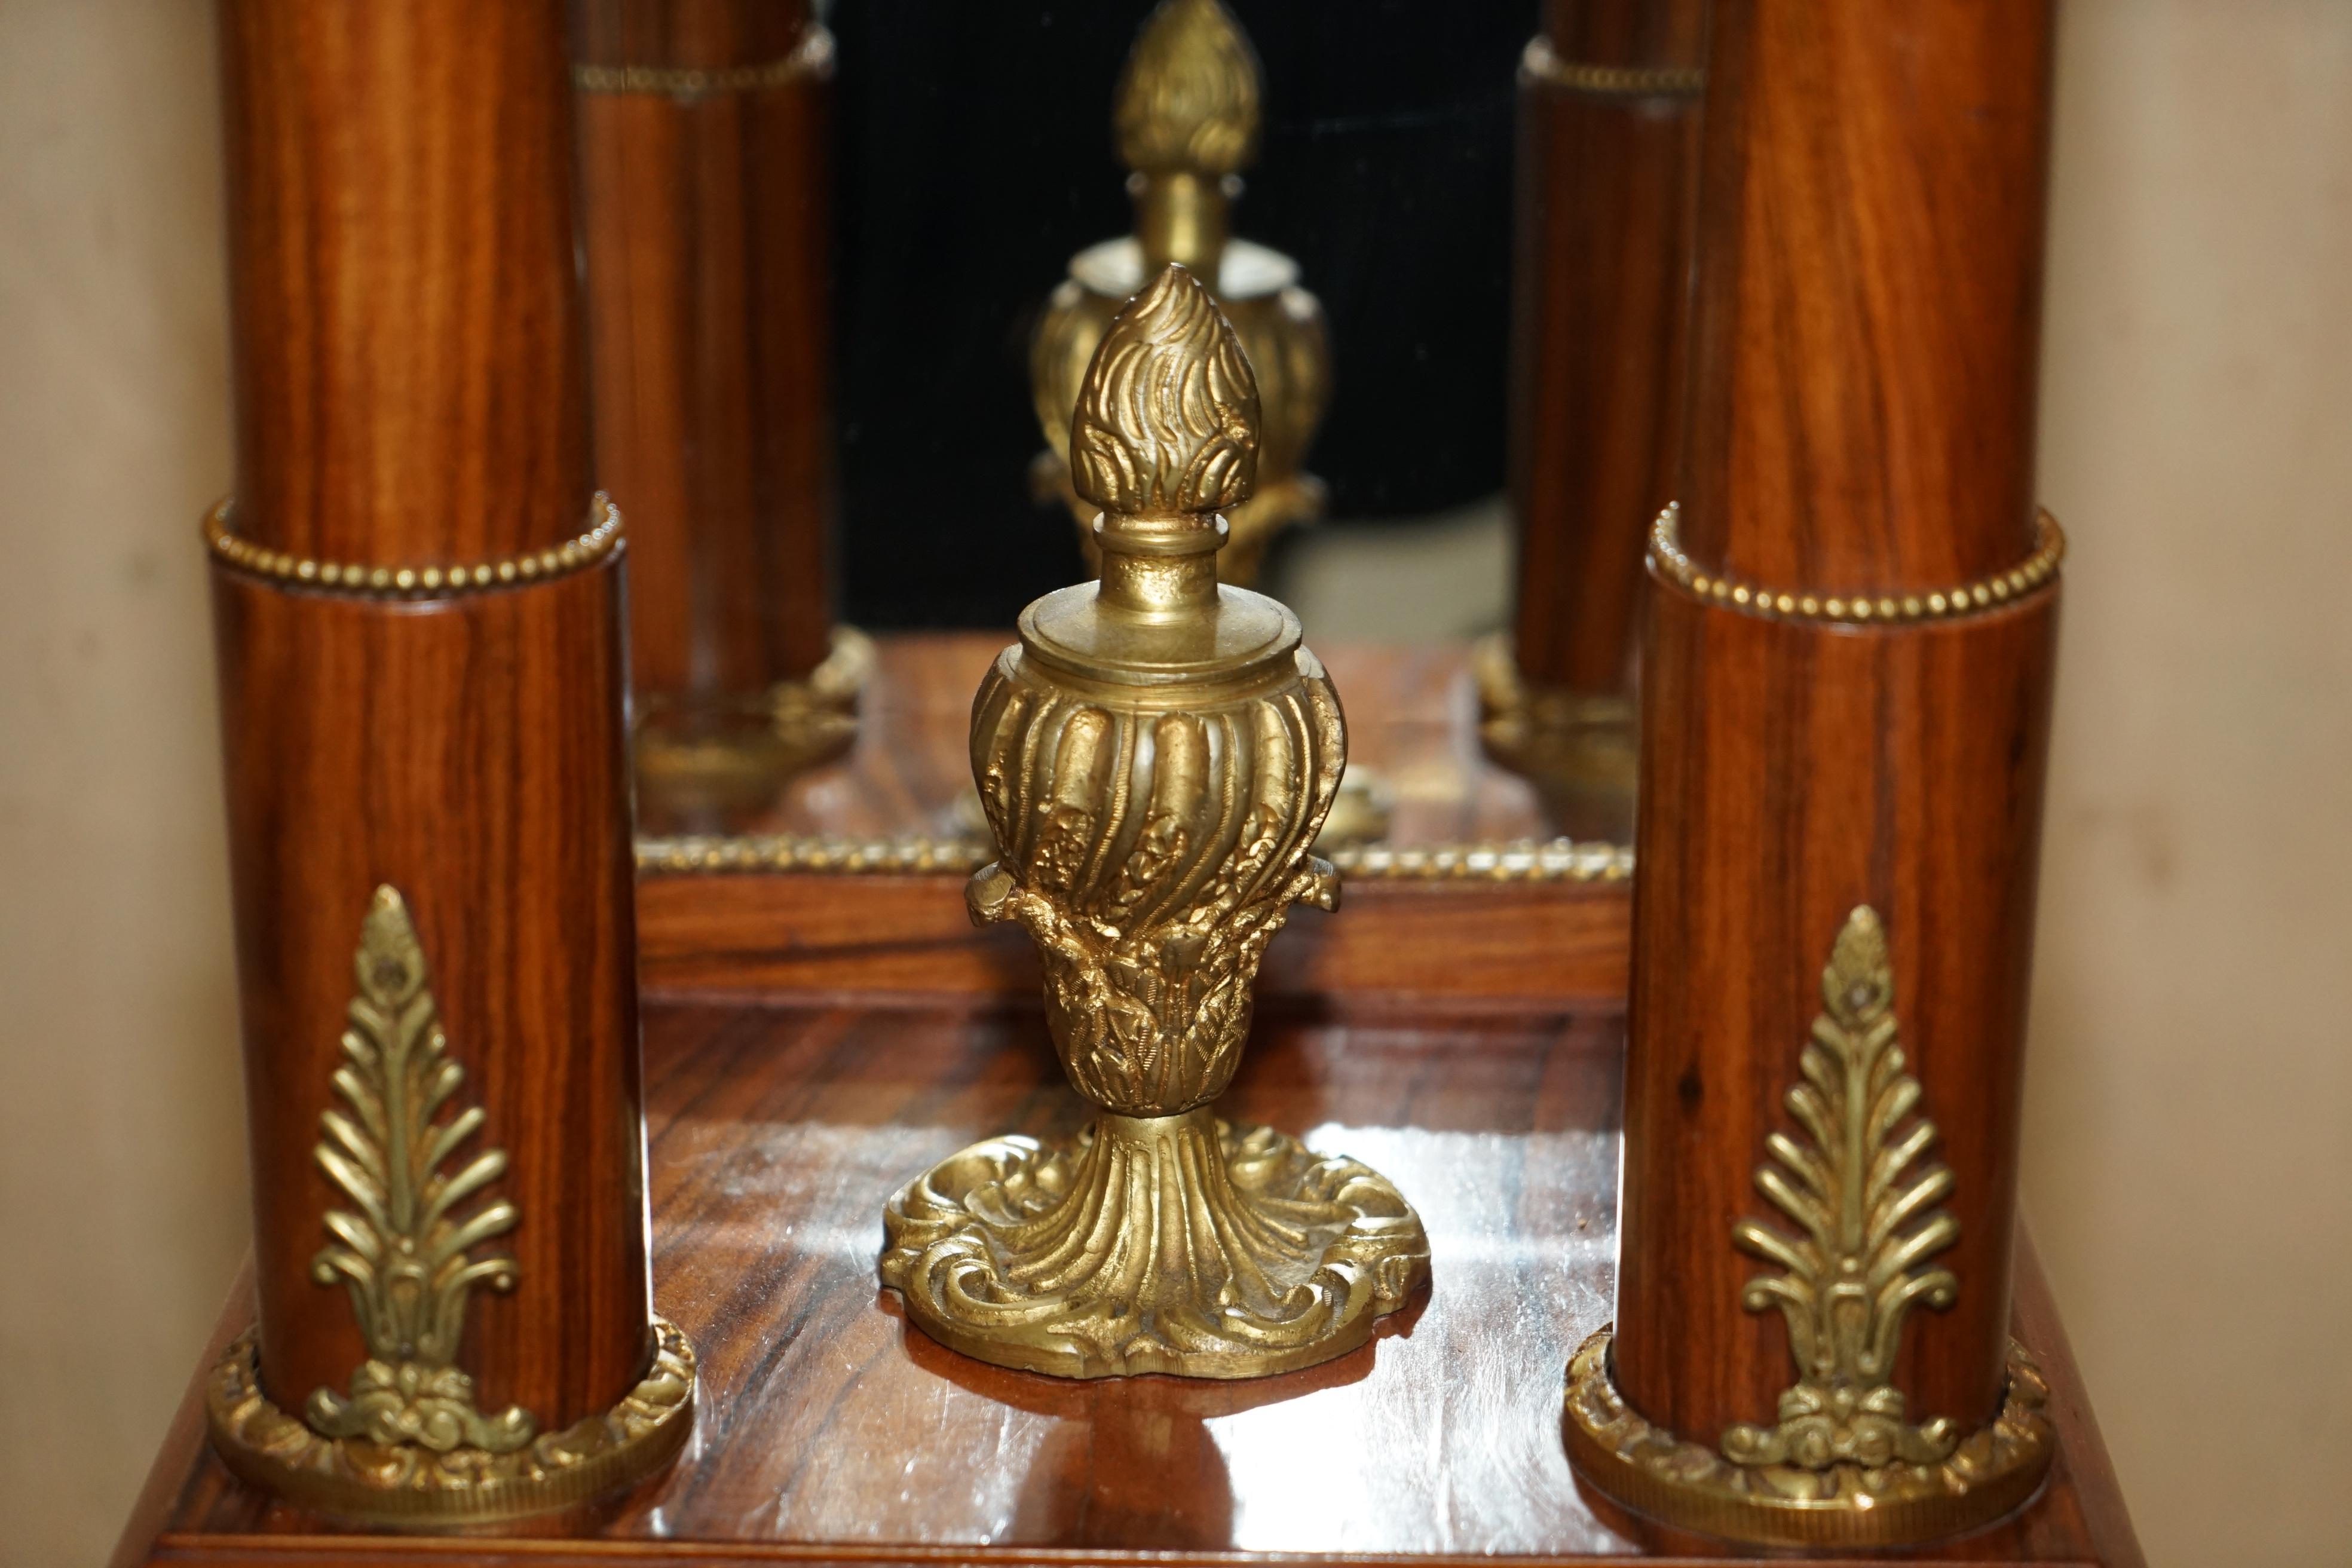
x=1843 y=1465
x=1865 y=1208
x=406 y=1441
x=404 y=1250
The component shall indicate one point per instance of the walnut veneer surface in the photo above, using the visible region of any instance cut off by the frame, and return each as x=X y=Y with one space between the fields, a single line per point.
x=831 y=1430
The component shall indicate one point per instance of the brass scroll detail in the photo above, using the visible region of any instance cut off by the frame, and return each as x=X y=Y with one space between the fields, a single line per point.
x=1155 y=760
x=404 y=1250
x=1868 y=1211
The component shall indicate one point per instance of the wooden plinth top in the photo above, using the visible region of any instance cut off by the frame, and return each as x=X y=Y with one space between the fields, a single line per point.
x=831 y=1431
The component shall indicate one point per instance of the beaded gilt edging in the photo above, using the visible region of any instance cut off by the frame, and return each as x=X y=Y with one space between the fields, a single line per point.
x=416 y=582
x=1542 y=63
x=1861 y=609
x=1560 y=861
x=812 y=57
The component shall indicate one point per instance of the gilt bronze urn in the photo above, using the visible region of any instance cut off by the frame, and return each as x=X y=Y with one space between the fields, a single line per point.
x=1155 y=757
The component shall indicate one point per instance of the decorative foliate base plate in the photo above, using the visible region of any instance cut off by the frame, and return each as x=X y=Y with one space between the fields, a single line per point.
x=406 y=1485
x=1995 y=1470
x=1172 y=1244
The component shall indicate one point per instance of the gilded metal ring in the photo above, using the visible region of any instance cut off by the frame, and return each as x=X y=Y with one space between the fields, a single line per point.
x=1994 y=1471
x=810 y=59
x=1541 y=63
x=388 y=1484
x=2037 y=571
x=378 y=581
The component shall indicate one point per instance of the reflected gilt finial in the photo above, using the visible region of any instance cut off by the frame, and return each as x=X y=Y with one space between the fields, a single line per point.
x=1188 y=100
x=1166 y=419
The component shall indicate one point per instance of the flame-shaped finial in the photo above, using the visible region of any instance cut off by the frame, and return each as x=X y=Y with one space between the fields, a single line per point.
x=1188 y=100
x=1167 y=418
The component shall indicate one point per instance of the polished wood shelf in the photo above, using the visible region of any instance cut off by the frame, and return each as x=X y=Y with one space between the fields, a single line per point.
x=831 y=1431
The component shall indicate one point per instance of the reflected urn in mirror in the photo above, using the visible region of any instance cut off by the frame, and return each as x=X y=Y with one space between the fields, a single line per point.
x=1156 y=756
x=1186 y=122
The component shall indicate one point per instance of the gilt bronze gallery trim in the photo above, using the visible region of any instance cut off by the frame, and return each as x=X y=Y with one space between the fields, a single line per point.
x=2039 y=569
x=1842 y=1464
x=405 y=1440
x=443 y=582
x=1515 y=860
x=810 y=60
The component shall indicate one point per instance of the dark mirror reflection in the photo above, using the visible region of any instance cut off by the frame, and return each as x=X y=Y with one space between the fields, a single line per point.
x=848 y=268
x=976 y=157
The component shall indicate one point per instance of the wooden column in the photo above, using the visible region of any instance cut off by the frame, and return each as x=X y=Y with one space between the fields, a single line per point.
x=1609 y=143
x=704 y=176
x=1846 y=692
x=417 y=604
x=1608 y=99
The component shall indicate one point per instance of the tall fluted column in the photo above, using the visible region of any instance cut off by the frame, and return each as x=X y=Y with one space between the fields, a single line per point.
x=1609 y=96
x=703 y=131
x=417 y=605
x=1845 y=707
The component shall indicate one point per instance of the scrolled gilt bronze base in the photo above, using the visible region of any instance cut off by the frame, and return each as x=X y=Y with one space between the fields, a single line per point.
x=1991 y=1472
x=1174 y=1243
x=411 y=1484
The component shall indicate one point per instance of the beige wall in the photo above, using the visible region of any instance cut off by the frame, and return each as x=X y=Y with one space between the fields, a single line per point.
x=2188 y=1165
x=2190 y=1126
x=122 y=1166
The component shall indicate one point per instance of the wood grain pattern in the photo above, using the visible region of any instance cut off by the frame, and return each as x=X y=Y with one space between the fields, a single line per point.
x=1789 y=774
x=469 y=752
x=706 y=232
x=1602 y=281
x=410 y=390
x=1867 y=321
x=1466 y=944
x=407 y=340
x=832 y=1433
x=1870 y=257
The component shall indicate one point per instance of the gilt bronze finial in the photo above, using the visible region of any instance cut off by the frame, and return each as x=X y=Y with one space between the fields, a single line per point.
x=1186 y=119
x=1155 y=756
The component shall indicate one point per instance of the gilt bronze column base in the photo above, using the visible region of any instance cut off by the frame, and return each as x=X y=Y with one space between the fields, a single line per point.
x=1172 y=1244
x=1579 y=749
x=415 y=1486
x=1993 y=1471
x=706 y=764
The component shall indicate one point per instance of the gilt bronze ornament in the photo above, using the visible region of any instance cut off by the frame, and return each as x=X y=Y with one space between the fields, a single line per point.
x=1155 y=758
x=405 y=1441
x=1186 y=122
x=1843 y=1465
